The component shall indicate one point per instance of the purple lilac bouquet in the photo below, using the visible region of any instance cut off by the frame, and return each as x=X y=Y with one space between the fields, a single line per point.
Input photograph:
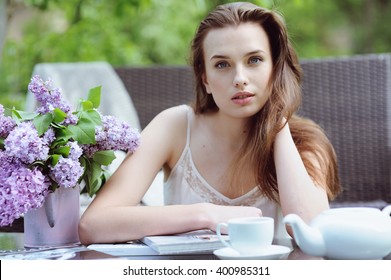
x=56 y=148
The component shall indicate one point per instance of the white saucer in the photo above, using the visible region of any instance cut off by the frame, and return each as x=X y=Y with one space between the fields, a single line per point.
x=274 y=252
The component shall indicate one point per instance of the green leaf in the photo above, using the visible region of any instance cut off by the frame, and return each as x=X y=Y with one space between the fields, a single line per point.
x=85 y=163
x=91 y=115
x=94 y=96
x=106 y=175
x=59 y=142
x=59 y=115
x=104 y=157
x=94 y=177
x=58 y=126
x=8 y=112
x=16 y=116
x=39 y=163
x=95 y=187
x=25 y=116
x=86 y=105
x=83 y=132
x=55 y=159
x=42 y=123
x=64 y=151
x=63 y=135
x=53 y=186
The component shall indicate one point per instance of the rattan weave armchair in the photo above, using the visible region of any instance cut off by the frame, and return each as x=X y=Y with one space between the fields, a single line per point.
x=156 y=88
x=350 y=97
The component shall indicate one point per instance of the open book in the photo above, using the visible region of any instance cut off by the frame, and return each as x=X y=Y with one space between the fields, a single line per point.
x=131 y=248
x=199 y=241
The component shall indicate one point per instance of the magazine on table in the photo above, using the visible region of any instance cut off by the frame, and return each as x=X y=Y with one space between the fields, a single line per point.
x=131 y=248
x=193 y=242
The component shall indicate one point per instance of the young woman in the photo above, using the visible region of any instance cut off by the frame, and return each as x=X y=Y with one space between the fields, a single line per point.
x=240 y=151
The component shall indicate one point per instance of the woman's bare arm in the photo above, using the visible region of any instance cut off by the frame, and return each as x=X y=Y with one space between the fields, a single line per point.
x=114 y=215
x=297 y=191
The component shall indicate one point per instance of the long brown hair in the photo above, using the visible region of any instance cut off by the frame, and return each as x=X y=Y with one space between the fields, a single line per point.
x=284 y=100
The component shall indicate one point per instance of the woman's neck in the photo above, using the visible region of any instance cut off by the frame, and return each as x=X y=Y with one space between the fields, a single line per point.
x=232 y=130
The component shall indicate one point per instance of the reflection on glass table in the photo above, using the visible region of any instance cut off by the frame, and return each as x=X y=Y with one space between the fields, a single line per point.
x=12 y=248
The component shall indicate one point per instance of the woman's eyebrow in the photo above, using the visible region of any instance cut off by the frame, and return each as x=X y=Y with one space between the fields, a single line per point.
x=219 y=56
x=255 y=52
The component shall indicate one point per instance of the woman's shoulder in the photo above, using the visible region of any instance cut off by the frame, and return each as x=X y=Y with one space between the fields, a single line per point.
x=171 y=128
x=169 y=124
x=174 y=115
x=179 y=109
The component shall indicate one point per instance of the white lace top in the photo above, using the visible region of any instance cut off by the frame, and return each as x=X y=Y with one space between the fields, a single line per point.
x=185 y=185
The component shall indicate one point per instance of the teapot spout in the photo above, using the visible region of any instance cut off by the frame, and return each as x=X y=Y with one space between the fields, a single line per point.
x=310 y=240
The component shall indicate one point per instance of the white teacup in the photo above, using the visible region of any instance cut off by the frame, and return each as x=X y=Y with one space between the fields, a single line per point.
x=248 y=236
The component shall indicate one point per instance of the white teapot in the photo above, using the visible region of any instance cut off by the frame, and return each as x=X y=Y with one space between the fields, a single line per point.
x=344 y=233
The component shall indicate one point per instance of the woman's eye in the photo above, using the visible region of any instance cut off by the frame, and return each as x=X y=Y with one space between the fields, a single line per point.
x=255 y=60
x=222 y=64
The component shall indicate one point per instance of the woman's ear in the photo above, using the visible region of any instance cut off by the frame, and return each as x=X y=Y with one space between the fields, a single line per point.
x=205 y=82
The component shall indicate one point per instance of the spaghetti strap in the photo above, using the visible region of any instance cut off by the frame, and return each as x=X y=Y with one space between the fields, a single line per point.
x=189 y=115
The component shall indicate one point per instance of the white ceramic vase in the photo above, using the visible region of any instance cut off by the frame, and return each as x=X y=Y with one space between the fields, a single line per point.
x=55 y=224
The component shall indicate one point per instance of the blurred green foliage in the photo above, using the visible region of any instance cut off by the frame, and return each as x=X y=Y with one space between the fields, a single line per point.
x=144 y=32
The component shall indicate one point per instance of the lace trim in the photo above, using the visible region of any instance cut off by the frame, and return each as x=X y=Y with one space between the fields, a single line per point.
x=208 y=194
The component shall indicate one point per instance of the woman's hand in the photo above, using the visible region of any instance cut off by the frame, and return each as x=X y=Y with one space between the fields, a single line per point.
x=218 y=213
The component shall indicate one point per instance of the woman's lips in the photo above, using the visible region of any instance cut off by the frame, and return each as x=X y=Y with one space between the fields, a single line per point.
x=242 y=98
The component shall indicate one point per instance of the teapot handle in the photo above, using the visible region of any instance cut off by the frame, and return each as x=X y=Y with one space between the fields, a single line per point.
x=387 y=210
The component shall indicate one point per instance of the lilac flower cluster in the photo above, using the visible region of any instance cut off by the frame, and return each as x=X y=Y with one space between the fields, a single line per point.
x=6 y=123
x=50 y=98
x=66 y=172
x=24 y=144
x=21 y=189
x=49 y=136
x=33 y=163
x=113 y=135
x=75 y=152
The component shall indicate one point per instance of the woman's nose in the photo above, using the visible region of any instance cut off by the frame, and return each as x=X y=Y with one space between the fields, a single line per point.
x=240 y=79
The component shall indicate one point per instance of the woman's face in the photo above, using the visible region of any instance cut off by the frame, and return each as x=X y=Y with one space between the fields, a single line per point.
x=238 y=67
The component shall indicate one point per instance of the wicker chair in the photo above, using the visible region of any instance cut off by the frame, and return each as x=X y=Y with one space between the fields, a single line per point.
x=156 y=88
x=348 y=96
